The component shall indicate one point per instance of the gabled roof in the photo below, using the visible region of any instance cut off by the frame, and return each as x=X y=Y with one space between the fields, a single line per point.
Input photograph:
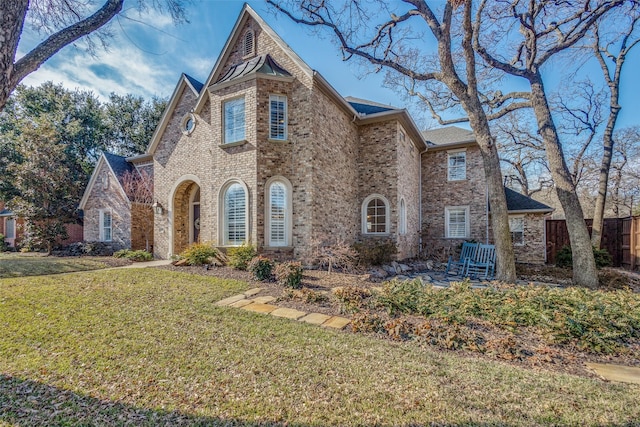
x=117 y=165
x=195 y=84
x=517 y=202
x=263 y=64
x=449 y=135
x=184 y=81
x=365 y=107
x=246 y=13
x=5 y=212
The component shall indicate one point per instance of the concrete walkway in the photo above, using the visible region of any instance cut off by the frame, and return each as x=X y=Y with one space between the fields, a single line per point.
x=146 y=264
x=248 y=301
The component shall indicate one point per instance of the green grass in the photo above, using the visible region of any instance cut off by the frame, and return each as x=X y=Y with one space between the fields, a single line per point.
x=19 y=265
x=148 y=347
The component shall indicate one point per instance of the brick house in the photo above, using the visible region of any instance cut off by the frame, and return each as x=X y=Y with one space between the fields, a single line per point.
x=267 y=152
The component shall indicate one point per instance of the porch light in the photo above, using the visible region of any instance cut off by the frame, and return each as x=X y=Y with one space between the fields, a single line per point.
x=157 y=208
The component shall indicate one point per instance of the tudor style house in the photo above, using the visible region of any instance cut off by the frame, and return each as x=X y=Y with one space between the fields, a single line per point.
x=267 y=152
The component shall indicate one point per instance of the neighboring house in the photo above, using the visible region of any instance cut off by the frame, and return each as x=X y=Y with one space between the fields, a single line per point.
x=109 y=215
x=267 y=152
x=9 y=226
x=12 y=228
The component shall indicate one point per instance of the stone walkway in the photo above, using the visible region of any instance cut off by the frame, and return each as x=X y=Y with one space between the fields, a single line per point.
x=248 y=301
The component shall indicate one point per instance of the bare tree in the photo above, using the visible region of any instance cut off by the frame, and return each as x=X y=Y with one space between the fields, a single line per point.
x=138 y=186
x=519 y=37
x=63 y=23
x=611 y=52
x=392 y=44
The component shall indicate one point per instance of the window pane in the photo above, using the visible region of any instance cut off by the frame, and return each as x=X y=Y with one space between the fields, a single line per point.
x=234 y=120
x=457 y=223
x=516 y=226
x=10 y=228
x=278 y=206
x=235 y=215
x=457 y=166
x=106 y=226
x=278 y=117
x=376 y=216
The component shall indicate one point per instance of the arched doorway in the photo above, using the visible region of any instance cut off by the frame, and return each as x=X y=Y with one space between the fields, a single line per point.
x=186 y=215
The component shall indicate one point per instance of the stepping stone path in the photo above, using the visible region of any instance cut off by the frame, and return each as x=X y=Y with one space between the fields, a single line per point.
x=619 y=373
x=248 y=301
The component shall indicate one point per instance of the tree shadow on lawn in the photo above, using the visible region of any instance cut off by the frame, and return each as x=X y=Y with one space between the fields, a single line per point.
x=30 y=403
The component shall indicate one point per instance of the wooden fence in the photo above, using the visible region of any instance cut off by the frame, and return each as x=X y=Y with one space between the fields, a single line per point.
x=620 y=237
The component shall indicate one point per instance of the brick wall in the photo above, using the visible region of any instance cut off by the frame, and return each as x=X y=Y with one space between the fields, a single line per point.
x=408 y=189
x=141 y=227
x=110 y=198
x=438 y=193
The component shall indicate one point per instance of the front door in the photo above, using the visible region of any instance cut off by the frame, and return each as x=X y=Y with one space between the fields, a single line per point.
x=196 y=222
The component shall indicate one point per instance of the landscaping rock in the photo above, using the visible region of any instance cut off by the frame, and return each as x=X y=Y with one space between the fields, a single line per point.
x=405 y=268
x=376 y=274
x=389 y=269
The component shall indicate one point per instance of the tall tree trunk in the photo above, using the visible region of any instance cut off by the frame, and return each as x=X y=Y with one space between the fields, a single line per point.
x=505 y=259
x=584 y=266
x=12 y=16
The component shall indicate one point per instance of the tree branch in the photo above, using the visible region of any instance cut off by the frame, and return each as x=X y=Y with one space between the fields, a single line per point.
x=45 y=50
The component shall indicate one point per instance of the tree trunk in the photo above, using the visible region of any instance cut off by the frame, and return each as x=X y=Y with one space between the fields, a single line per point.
x=505 y=259
x=605 y=166
x=584 y=266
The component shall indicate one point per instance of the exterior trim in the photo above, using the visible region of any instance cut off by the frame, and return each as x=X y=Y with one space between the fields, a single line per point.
x=288 y=212
x=387 y=211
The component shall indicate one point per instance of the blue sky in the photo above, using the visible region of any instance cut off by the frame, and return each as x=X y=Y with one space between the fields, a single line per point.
x=147 y=59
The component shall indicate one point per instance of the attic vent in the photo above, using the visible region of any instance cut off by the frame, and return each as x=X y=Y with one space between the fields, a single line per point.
x=248 y=45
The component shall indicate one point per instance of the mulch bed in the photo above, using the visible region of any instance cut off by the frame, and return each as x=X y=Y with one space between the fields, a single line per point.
x=532 y=352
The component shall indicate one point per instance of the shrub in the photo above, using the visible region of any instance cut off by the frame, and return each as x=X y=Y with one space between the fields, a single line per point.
x=3 y=244
x=564 y=257
x=137 y=256
x=239 y=257
x=375 y=252
x=353 y=298
x=337 y=255
x=289 y=274
x=401 y=296
x=307 y=295
x=261 y=267
x=367 y=321
x=202 y=253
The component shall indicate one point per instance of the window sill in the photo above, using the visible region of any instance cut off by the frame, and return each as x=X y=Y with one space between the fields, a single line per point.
x=278 y=248
x=277 y=140
x=233 y=144
x=376 y=234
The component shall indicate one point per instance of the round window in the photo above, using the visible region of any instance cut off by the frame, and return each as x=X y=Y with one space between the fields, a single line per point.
x=188 y=123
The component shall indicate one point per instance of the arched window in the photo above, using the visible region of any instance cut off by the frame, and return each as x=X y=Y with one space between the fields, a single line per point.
x=248 y=43
x=234 y=215
x=375 y=215
x=403 y=218
x=278 y=212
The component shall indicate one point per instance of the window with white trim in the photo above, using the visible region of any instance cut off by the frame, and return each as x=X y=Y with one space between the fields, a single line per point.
x=106 y=226
x=457 y=165
x=10 y=228
x=235 y=215
x=375 y=215
x=234 y=123
x=403 y=218
x=456 y=222
x=278 y=117
x=248 y=43
x=516 y=227
x=277 y=212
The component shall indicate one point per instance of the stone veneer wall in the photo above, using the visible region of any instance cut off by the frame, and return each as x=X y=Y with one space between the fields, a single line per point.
x=533 y=250
x=110 y=198
x=438 y=193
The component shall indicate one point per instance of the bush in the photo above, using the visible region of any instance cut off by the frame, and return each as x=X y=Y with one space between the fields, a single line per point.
x=261 y=267
x=239 y=257
x=289 y=274
x=3 y=244
x=353 y=298
x=401 y=296
x=564 y=257
x=375 y=252
x=137 y=256
x=202 y=253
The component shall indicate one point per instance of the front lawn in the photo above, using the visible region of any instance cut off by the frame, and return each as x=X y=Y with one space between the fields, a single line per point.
x=35 y=264
x=148 y=347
